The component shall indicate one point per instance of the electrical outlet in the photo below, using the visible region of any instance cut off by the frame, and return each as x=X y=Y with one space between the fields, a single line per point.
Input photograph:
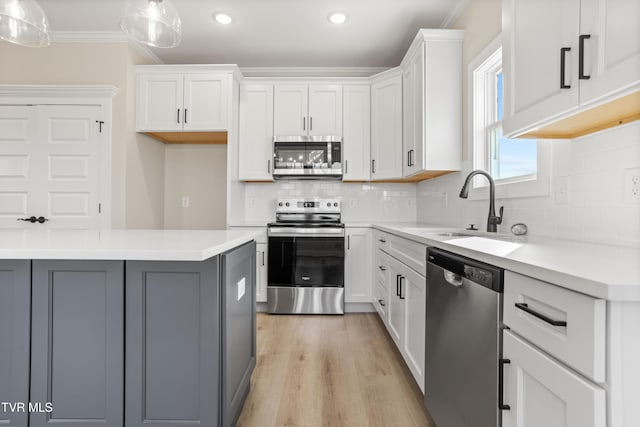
x=185 y=201
x=632 y=185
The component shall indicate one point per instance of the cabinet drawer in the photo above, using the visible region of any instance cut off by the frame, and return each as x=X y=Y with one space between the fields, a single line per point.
x=380 y=296
x=530 y=307
x=381 y=268
x=381 y=239
x=408 y=252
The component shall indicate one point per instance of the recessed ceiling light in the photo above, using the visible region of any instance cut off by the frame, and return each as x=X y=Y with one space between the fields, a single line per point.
x=223 y=18
x=337 y=18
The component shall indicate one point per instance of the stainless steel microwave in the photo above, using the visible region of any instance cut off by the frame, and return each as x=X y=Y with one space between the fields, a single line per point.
x=307 y=157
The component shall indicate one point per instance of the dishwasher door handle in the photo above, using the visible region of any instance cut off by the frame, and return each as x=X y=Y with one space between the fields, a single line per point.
x=452 y=278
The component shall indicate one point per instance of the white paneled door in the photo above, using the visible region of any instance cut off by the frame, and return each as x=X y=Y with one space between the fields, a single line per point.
x=50 y=166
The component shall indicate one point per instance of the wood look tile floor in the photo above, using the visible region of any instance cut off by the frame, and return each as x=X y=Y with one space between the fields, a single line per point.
x=330 y=371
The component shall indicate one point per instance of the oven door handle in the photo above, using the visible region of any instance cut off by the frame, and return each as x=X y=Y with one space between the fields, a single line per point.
x=305 y=232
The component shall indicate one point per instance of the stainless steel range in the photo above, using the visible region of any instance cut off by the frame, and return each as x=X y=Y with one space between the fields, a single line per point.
x=306 y=258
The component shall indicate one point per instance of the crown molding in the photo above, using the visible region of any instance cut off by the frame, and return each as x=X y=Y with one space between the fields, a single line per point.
x=103 y=37
x=454 y=13
x=308 y=72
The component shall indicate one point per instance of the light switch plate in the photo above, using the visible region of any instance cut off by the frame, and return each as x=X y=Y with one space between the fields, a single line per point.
x=241 y=288
x=561 y=190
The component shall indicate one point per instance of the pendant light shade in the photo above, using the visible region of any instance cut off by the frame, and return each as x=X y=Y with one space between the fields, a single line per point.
x=23 y=22
x=153 y=22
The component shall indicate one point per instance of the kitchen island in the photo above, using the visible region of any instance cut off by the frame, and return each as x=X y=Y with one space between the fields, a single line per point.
x=126 y=327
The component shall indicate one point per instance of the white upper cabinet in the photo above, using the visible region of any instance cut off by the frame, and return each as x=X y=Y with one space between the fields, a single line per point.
x=386 y=127
x=307 y=110
x=356 y=128
x=205 y=102
x=256 y=132
x=160 y=99
x=412 y=89
x=432 y=103
x=182 y=101
x=587 y=53
x=291 y=110
x=612 y=49
x=325 y=110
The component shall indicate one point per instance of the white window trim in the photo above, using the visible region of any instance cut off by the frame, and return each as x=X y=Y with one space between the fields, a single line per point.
x=522 y=186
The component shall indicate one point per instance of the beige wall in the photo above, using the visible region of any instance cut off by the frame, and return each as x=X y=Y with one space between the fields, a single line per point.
x=200 y=173
x=138 y=161
x=482 y=22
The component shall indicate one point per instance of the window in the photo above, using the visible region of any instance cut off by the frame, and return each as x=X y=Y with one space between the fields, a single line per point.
x=509 y=161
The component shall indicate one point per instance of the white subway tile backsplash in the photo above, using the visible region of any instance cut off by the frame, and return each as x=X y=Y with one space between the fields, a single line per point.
x=360 y=202
x=594 y=210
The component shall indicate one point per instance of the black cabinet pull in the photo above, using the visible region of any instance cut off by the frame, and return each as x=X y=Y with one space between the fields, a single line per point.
x=581 y=74
x=382 y=268
x=373 y=166
x=346 y=167
x=310 y=123
x=381 y=302
x=178 y=116
x=263 y=258
x=304 y=123
x=409 y=158
x=401 y=287
x=525 y=307
x=501 y=404
x=185 y=115
x=268 y=166
x=348 y=242
x=563 y=58
x=398 y=276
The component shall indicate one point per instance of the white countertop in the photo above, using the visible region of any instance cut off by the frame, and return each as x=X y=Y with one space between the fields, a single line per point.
x=148 y=245
x=602 y=271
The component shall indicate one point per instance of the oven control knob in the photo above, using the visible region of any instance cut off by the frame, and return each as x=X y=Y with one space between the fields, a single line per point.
x=279 y=203
x=287 y=204
x=335 y=205
x=328 y=205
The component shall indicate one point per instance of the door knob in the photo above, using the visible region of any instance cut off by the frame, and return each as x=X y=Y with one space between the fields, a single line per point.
x=33 y=219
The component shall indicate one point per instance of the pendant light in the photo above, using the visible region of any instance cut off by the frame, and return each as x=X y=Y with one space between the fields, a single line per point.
x=23 y=22
x=153 y=22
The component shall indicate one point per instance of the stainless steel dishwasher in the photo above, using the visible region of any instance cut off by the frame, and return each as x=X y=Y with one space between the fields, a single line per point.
x=463 y=384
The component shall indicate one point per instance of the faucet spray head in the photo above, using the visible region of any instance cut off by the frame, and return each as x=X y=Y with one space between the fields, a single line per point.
x=464 y=193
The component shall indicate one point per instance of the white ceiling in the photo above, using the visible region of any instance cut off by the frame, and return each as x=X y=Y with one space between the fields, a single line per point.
x=275 y=33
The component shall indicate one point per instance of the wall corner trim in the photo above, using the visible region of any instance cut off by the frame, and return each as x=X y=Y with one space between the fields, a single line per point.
x=457 y=10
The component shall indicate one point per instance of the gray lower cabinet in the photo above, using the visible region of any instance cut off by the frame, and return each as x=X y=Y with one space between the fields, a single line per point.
x=77 y=337
x=181 y=353
x=172 y=343
x=238 y=329
x=15 y=320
